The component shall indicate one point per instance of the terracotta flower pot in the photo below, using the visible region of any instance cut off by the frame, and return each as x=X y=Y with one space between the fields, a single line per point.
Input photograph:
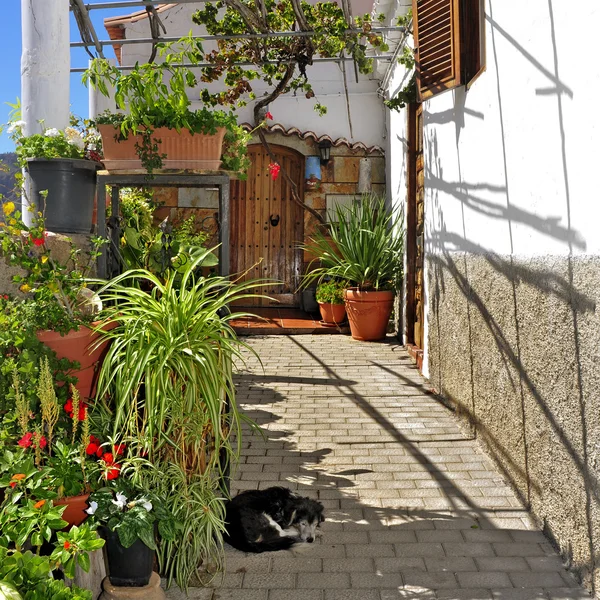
x=184 y=150
x=77 y=346
x=368 y=313
x=76 y=506
x=332 y=314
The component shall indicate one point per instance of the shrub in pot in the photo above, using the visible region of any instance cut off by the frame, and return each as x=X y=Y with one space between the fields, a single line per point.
x=330 y=296
x=62 y=166
x=166 y=388
x=363 y=245
x=159 y=128
x=58 y=304
x=129 y=522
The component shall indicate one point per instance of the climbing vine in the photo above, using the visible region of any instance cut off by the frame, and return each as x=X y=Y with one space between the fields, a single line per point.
x=408 y=93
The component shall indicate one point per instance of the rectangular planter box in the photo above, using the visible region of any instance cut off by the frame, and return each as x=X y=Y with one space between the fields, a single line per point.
x=184 y=150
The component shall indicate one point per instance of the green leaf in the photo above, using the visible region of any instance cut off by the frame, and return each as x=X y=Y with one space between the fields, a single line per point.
x=146 y=534
x=84 y=561
x=127 y=536
x=8 y=591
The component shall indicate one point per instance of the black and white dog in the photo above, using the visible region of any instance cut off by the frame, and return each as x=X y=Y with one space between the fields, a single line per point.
x=271 y=519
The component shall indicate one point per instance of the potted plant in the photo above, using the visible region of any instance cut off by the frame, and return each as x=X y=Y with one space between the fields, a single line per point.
x=129 y=522
x=170 y=367
x=57 y=303
x=63 y=164
x=159 y=129
x=54 y=444
x=330 y=297
x=363 y=245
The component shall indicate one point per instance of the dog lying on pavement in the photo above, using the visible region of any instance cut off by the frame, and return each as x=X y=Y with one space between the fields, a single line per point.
x=271 y=519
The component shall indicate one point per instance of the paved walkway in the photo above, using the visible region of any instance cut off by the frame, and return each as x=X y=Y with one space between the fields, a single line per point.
x=414 y=508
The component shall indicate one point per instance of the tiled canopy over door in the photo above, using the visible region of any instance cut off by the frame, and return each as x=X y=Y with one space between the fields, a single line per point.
x=267 y=225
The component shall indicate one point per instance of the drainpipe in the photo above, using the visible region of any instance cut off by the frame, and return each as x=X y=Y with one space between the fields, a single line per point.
x=45 y=65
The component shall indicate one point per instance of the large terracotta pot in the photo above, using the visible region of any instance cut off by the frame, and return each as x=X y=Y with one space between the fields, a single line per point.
x=368 y=313
x=332 y=314
x=76 y=345
x=184 y=150
x=76 y=506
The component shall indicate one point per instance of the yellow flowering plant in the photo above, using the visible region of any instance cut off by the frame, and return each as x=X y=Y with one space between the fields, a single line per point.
x=62 y=300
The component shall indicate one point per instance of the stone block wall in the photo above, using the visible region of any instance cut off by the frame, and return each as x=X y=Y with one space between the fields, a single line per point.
x=514 y=345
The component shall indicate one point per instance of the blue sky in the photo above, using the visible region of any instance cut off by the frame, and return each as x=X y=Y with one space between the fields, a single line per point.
x=10 y=51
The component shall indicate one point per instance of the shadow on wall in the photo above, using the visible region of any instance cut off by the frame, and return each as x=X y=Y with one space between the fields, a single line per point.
x=514 y=343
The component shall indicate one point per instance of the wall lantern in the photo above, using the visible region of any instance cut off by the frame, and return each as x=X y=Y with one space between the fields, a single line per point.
x=324 y=151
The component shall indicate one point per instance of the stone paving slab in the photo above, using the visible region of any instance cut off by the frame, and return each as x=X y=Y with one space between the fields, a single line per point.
x=414 y=507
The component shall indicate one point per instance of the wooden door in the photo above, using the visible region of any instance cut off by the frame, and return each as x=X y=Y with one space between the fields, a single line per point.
x=267 y=226
x=415 y=227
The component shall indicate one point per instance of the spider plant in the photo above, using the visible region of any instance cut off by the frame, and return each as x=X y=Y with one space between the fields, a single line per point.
x=363 y=244
x=166 y=389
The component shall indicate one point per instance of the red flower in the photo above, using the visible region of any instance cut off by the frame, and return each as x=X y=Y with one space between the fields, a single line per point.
x=25 y=441
x=69 y=406
x=99 y=452
x=113 y=472
x=269 y=115
x=43 y=442
x=108 y=458
x=94 y=440
x=67 y=545
x=274 y=169
x=91 y=449
x=82 y=412
x=13 y=484
x=37 y=241
x=120 y=449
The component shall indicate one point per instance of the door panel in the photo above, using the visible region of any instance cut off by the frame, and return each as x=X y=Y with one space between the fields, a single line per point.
x=267 y=225
x=415 y=227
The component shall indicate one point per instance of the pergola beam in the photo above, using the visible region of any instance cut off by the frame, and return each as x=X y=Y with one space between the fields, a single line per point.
x=140 y=3
x=205 y=65
x=274 y=34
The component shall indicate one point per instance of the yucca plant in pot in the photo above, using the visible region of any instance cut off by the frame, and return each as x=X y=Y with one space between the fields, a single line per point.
x=166 y=391
x=364 y=244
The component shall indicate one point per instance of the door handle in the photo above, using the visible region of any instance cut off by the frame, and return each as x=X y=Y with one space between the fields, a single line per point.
x=274 y=220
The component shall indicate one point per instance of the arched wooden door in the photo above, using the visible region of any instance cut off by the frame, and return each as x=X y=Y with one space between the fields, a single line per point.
x=267 y=225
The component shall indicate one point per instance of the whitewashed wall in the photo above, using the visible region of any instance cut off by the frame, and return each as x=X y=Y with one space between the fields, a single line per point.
x=367 y=113
x=510 y=163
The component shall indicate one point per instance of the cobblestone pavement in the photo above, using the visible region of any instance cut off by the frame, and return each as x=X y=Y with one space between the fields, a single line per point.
x=414 y=508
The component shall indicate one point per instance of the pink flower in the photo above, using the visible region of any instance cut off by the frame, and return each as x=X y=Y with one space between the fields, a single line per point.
x=274 y=169
x=25 y=441
x=269 y=115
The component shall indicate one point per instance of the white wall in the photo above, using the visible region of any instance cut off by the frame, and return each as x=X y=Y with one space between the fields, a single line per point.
x=511 y=163
x=367 y=114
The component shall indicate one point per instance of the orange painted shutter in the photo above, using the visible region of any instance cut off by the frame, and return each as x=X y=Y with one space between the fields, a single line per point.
x=437 y=46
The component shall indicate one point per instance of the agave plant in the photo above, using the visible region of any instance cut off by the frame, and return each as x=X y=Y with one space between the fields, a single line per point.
x=166 y=389
x=364 y=245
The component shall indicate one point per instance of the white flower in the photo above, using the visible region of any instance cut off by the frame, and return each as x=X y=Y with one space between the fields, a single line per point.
x=74 y=137
x=16 y=125
x=146 y=504
x=121 y=501
x=92 y=509
x=53 y=132
x=93 y=132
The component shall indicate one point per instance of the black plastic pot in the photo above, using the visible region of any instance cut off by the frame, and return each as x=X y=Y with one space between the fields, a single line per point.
x=127 y=567
x=71 y=185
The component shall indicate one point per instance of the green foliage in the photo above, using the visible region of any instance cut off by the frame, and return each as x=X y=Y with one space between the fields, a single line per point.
x=364 y=245
x=408 y=93
x=160 y=249
x=58 y=288
x=133 y=516
x=280 y=62
x=331 y=292
x=164 y=389
x=79 y=140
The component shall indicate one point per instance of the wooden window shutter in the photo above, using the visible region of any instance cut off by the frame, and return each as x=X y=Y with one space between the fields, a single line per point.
x=437 y=46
